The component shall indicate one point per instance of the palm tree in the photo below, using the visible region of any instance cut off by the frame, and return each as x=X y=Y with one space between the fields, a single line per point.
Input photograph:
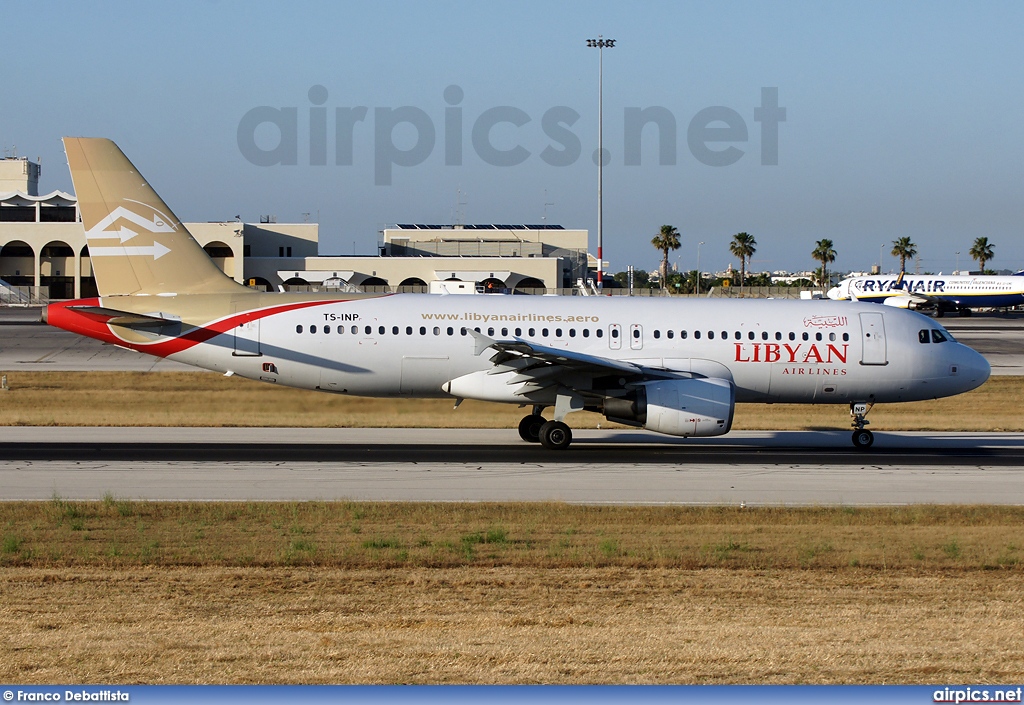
x=981 y=250
x=904 y=249
x=666 y=239
x=744 y=246
x=826 y=254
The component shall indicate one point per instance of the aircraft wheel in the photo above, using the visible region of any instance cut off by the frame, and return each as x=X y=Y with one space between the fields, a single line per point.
x=555 y=435
x=529 y=428
x=939 y=313
x=863 y=439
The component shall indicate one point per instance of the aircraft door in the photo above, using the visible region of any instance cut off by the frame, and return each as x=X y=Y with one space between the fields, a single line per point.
x=615 y=336
x=247 y=338
x=636 y=336
x=872 y=338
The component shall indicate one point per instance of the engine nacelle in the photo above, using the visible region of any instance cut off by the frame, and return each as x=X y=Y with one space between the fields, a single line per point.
x=899 y=302
x=684 y=407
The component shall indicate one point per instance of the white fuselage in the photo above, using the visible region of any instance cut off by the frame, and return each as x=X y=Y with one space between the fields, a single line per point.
x=773 y=351
x=978 y=291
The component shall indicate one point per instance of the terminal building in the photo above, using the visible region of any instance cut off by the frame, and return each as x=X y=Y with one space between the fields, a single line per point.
x=43 y=248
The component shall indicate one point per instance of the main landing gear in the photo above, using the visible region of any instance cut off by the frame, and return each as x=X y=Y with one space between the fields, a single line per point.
x=553 y=435
x=862 y=438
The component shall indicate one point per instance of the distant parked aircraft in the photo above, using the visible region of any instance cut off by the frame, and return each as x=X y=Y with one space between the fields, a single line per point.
x=934 y=292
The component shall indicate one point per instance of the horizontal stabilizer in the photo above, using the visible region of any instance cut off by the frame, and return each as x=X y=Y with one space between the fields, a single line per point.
x=124 y=319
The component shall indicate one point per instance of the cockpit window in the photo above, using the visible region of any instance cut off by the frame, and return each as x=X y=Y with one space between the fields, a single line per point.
x=922 y=336
x=937 y=336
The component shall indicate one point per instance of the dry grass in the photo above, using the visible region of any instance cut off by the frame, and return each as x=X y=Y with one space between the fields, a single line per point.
x=508 y=625
x=204 y=399
x=370 y=535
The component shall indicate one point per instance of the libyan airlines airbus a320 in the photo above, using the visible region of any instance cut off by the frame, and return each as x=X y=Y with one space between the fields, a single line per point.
x=675 y=366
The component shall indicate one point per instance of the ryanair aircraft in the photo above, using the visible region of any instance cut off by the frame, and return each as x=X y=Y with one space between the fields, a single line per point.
x=675 y=366
x=934 y=292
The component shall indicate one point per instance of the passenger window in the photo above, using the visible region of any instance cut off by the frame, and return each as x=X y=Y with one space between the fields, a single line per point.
x=519 y=332
x=451 y=331
x=778 y=335
x=586 y=332
x=544 y=332
x=832 y=337
x=657 y=334
x=341 y=330
x=327 y=329
x=312 y=329
x=923 y=337
x=368 y=330
x=572 y=332
x=504 y=332
x=599 y=333
x=354 y=329
x=738 y=335
x=463 y=331
x=394 y=330
x=670 y=334
x=817 y=336
x=380 y=330
x=750 y=335
x=682 y=335
x=806 y=336
x=792 y=336
x=937 y=336
x=532 y=332
x=437 y=330
x=298 y=329
x=711 y=335
x=423 y=330
x=558 y=332
x=725 y=335
x=846 y=336
x=615 y=332
x=636 y=333
x=408 y=330
x=764 y=335
x=490 y=332
x=696 y=334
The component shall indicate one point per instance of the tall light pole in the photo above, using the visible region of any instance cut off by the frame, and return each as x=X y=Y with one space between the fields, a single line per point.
x=600 y=43
x=698 y=267
x=957 y=262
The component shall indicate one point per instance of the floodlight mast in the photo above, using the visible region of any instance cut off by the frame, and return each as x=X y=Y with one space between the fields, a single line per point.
x=600 y=43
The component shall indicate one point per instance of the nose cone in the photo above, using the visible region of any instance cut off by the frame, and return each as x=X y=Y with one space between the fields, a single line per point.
x=835 y=293
x=973 y=369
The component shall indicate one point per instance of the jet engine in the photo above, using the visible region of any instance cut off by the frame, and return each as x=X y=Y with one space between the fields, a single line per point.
x=684 y=407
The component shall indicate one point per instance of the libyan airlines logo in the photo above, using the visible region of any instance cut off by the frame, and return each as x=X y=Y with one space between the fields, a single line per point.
x=159 y=223
x=825 y=321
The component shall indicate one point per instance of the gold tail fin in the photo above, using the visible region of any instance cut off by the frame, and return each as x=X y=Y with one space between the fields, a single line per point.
x=136 y=244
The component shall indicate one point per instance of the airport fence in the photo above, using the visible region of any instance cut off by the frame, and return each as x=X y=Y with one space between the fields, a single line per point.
x=24 y=295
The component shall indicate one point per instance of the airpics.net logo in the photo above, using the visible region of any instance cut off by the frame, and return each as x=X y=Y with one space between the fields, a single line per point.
x=407 y=136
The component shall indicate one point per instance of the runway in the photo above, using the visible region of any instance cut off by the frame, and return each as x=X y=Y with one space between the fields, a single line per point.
x=602 y=467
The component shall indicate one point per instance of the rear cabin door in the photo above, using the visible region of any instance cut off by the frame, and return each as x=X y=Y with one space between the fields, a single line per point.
x=872 y=339
x=247 y=337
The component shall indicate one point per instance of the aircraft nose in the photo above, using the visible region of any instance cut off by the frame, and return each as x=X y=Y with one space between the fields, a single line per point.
x=972 y=368
x=834 y=293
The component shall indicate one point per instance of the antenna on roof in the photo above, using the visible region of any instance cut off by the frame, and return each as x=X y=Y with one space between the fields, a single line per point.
x=544 y=218
x=459 y=213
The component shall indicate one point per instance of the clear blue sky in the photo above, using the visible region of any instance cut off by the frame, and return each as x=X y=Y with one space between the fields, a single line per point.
x=902 y=118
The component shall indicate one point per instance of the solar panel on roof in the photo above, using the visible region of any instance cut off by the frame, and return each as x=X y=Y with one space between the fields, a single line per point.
x=406 y=226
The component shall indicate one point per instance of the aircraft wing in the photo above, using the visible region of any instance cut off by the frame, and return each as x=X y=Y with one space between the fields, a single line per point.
x=533 y=360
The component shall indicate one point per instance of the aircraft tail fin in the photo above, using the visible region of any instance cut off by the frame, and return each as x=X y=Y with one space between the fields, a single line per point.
x=136 y=244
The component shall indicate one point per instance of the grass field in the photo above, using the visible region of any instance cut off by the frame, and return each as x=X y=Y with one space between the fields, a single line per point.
x=122 y=592
x=204 y=399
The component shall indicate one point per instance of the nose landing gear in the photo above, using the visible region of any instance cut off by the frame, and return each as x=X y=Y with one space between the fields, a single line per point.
x=862 y=438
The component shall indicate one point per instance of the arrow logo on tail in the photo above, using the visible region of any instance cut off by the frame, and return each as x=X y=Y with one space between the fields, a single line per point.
x=156 y=225
x=156 y=251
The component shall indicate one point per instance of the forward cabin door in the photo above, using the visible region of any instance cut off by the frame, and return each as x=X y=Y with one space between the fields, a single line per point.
x=872 y=339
